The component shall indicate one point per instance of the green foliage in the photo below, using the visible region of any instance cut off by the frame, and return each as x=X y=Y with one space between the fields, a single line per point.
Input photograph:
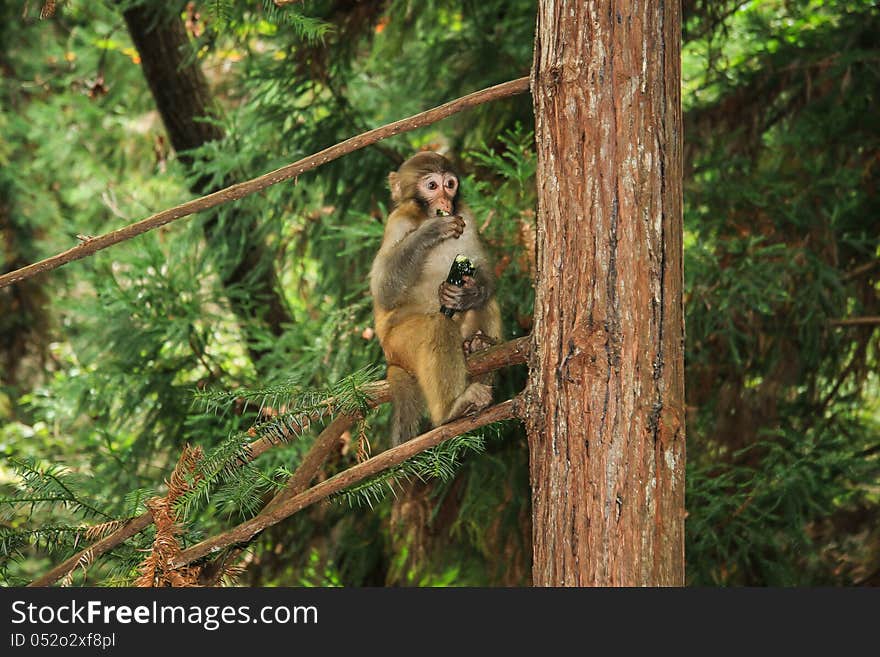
x=47 y=486
x=504 y=194
x=241 y=17
x=778 y=215
x=50 y=490
x=286 y=403
x=225 y=476
x=759 y=512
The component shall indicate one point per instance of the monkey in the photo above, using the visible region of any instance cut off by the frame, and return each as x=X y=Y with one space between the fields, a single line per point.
x=425 y=350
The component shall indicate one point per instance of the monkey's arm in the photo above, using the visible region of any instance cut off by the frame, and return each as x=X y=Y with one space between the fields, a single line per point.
x=399 y=269
x=475 y=293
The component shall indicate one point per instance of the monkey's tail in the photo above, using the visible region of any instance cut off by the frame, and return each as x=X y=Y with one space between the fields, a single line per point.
x=408 y=405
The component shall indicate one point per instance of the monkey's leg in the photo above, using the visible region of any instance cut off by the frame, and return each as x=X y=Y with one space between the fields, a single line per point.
x=408 y=405
x=442 y=373
x=429 y=346
x=480 y=330
x=439 y=364
x=478 y=342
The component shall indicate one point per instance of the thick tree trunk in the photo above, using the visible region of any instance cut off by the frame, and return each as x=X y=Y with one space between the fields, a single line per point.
x=183 y=99
x=605 y=412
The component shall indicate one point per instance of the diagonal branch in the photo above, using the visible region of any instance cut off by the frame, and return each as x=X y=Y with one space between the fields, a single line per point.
x=246 y=531
x=129 y=529
x=240 y=190
x=861 y=270
x=514 y=352
x=855 y=321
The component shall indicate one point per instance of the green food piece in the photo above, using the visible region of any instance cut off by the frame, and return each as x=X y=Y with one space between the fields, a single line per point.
x=461 y=267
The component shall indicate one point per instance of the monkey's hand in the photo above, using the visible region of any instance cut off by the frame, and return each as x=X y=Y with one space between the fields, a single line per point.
x=442 y=228
x=470 y=295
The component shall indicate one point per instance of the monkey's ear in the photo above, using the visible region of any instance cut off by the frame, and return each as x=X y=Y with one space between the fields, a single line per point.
x=394 y=184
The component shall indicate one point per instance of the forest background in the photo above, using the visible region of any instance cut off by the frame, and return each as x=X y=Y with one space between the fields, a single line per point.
x=112 y=364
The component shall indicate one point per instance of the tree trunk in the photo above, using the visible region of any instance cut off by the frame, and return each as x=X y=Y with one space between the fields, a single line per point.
x=24 y=307
x=183 y=99
x=605 y=405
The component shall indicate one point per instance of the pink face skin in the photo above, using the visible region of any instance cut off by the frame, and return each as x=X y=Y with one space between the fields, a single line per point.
x=439 y=190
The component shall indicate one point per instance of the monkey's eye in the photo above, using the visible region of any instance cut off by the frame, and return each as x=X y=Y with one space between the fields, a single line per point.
x=432 y=185
x=450 y=183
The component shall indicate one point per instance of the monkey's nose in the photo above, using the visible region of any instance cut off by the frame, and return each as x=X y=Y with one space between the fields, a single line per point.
x=444 y=205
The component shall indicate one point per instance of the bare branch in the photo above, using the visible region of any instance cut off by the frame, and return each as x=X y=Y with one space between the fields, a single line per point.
x=861 y=270
x=514 y=352
x=314 y=459
x=856 y=321
x=240 y=190
x=387 y=459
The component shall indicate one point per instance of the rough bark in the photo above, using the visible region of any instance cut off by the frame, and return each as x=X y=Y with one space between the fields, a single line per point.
x=184 y=100
x=605 y=404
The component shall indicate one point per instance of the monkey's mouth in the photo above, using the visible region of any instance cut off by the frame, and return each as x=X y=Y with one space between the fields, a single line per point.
x=443 y=213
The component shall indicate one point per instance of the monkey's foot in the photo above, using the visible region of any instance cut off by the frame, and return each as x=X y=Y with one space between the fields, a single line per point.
x=477 y=342
x=476 y=397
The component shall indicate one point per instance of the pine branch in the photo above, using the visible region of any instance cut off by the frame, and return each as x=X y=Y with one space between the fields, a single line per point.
x=246 y=531
x=290 y=400
x=132 y=527
x=349 y=398
x=53 y=537
x=47 y=486
x=240 y=190
x=514 y=352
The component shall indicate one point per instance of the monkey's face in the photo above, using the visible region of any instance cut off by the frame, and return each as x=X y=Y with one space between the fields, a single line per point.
x=430 y=180
x=438 y=191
